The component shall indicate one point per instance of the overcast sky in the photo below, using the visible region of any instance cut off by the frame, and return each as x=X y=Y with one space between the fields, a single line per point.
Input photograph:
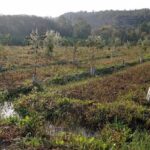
x=57 y=7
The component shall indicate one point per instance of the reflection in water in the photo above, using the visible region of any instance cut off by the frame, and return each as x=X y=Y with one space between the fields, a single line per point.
x=7 y=110
x=53 y=130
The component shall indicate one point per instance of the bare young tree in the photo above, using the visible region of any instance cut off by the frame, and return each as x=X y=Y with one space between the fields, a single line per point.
x=34 y=40
x=116 y=42
x=95 y=43
x=75 y=47
x=141 y=51
x=92 y=64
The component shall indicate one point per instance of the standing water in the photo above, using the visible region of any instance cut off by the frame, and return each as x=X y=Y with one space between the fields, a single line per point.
x=53 y=130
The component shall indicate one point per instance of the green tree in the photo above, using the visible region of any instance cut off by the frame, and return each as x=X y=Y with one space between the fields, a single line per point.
x=81 y=29
x=5 y=39
x=52 y=38
x=65 y=26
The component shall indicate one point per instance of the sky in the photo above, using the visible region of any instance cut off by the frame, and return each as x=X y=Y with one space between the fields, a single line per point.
x=54 y=8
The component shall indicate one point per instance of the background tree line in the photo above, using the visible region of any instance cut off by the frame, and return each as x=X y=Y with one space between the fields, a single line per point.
x=112 y=26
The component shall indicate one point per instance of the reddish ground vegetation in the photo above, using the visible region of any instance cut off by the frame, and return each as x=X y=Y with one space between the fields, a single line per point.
x=108 y=88
x=8 y=133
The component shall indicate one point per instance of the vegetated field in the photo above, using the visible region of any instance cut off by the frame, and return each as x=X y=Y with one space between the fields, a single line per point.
x=72 y=109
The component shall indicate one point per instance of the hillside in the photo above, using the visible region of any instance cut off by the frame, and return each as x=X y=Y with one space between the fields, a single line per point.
x=69 y=109
x=124 y=18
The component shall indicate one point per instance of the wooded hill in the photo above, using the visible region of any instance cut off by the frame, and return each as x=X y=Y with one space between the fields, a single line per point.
x=13 y=29
x=131 y=18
